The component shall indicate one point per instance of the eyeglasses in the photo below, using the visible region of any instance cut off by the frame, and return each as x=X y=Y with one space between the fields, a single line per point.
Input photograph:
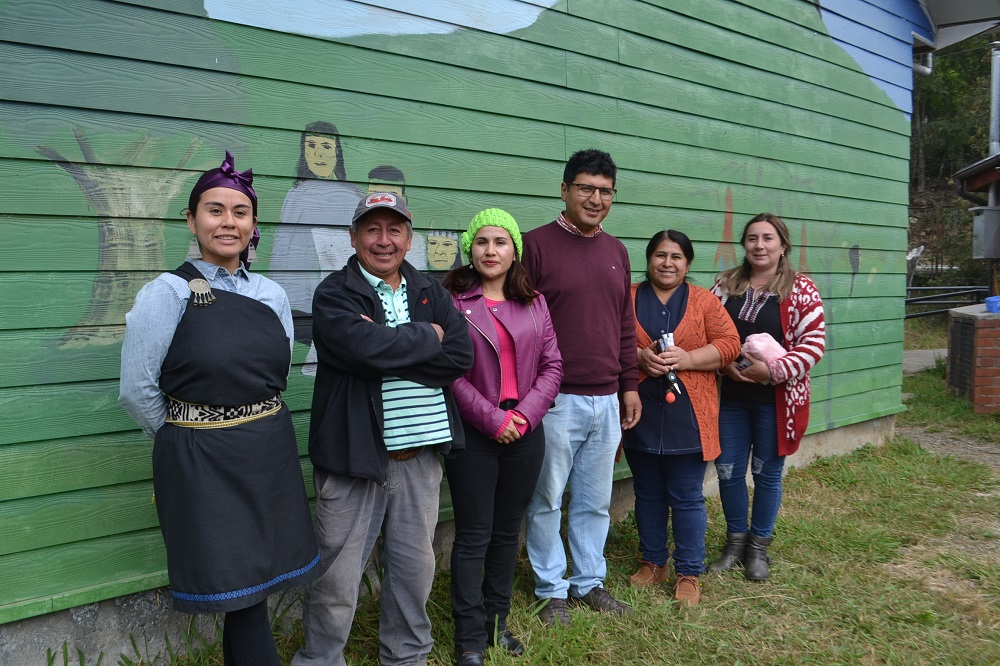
x=587 y=191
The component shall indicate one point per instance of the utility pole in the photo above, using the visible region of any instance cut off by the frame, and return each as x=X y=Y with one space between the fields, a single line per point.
x=992 y=253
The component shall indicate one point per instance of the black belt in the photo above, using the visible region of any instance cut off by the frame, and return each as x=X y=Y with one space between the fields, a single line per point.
x=508 y=404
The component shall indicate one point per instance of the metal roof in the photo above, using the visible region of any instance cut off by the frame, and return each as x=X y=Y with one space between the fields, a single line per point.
x=958 y=20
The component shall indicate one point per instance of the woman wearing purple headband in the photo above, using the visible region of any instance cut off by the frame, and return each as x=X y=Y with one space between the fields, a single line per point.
x=206 y=355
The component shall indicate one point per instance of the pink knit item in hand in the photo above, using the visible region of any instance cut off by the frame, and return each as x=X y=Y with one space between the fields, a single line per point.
x=762 y=346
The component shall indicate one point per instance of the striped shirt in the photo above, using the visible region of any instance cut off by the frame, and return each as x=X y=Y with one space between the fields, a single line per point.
x=413 y=414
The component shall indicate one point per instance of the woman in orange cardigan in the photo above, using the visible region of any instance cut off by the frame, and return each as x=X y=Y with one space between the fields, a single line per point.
x=683 y=336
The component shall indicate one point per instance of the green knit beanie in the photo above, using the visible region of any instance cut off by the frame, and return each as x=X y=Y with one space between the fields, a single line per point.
x=491 y=217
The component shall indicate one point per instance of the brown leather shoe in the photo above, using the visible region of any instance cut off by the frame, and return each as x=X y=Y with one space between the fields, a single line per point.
x=649 y=574
x=554 y=613
x=687 y=590
x=601 y=600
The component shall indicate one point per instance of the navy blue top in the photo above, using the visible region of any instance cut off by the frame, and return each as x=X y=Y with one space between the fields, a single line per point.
x=665 y=428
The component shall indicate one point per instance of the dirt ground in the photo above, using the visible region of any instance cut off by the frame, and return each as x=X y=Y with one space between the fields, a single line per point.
x=920 y=562
x=946 y=442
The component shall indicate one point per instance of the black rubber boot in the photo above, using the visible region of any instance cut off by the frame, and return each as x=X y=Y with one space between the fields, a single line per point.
x=756 y=558
x=732 y=552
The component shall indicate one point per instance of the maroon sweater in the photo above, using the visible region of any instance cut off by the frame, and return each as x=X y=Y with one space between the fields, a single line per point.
x=586 y=281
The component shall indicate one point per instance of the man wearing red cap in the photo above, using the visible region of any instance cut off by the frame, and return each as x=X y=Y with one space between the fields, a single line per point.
x=389 y=344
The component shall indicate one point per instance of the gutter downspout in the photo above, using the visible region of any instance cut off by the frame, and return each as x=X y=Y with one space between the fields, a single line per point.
x=925 y=65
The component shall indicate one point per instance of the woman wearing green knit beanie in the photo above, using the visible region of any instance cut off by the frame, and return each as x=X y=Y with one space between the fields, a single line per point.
x=501 y=399
x=492 y=217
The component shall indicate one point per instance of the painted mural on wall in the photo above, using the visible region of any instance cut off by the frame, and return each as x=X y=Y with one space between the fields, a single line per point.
x=337 y=19
x=443 y=249
x=126 y=201
x=130 y=204
x=315 y=218
x=444 y=108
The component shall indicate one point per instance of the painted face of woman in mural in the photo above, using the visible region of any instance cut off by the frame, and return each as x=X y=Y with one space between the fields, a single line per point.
x=321 y=154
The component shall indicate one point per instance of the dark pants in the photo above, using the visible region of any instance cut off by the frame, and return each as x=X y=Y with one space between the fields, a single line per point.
x=491 y=485
x=247 y=639
x=666 y=485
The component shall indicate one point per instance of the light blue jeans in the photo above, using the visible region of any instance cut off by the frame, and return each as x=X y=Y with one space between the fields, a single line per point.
x=350 y=515
x=582 y=433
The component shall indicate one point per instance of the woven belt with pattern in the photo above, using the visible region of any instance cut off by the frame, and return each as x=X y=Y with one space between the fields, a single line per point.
x=190 y=415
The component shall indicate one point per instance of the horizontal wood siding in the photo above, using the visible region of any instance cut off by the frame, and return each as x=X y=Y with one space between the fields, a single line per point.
x=713 y=110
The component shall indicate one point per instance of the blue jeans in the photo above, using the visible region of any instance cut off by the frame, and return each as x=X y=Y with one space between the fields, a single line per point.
x=350 y=515
x=582 y=433
x=745 y=429
x=665 y=484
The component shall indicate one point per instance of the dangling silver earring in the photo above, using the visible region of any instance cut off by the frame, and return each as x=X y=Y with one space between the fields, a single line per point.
x=251 y=253
x=194 y=250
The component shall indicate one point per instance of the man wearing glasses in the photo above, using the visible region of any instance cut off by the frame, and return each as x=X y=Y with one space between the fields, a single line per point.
x=584 y=274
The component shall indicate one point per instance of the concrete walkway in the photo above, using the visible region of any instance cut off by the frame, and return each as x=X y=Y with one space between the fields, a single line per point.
x=916 y=360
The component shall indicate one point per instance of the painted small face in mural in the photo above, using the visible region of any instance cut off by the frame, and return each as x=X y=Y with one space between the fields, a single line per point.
x=442 y=251
x=583 y=211
x=395 y=188
x=381 y=242
x=492 y=253
x=321 y=154
x=763 y=247
x=223 y=222
x=668 y=266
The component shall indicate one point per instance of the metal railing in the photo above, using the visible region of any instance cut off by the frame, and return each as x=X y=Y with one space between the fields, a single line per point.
x=951 y=297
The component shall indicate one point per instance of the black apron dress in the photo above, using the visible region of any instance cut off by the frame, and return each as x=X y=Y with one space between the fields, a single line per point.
x=231 y=501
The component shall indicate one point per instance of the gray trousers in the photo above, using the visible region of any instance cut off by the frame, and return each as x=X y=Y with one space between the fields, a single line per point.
x=350 y=515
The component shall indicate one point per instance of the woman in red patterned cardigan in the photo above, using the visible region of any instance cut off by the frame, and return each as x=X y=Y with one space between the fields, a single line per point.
x=764 y=407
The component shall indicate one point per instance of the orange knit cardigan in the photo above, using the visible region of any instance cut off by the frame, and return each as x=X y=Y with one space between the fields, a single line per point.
x=705 y=322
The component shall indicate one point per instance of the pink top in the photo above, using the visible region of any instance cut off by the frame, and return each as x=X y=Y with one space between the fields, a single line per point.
x=508 y=370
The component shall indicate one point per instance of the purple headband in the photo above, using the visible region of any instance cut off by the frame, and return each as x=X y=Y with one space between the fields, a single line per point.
x=225 y=176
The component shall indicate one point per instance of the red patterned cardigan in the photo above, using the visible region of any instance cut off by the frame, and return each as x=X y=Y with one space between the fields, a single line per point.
x=804 y=326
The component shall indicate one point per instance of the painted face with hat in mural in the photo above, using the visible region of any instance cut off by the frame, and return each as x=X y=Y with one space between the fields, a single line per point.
x=381 y=234
x=442 y=249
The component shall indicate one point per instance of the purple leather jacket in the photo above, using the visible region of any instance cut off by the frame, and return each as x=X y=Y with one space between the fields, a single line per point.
x=539 y=364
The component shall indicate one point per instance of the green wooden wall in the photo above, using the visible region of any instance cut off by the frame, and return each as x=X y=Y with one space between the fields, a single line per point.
x=714 y=111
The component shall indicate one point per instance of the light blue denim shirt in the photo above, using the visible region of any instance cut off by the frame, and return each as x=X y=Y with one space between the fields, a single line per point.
x=150 y=326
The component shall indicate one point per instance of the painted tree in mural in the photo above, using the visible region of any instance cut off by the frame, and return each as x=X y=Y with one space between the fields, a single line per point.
x=131 y=204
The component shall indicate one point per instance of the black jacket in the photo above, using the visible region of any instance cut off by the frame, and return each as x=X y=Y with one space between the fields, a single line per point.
x=345 y=429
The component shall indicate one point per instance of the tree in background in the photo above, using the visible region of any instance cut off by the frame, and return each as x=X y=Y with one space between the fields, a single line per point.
x=950 y=128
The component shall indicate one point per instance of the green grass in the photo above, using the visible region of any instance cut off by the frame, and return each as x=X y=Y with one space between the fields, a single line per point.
x=926 y=332
x=889 y=555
